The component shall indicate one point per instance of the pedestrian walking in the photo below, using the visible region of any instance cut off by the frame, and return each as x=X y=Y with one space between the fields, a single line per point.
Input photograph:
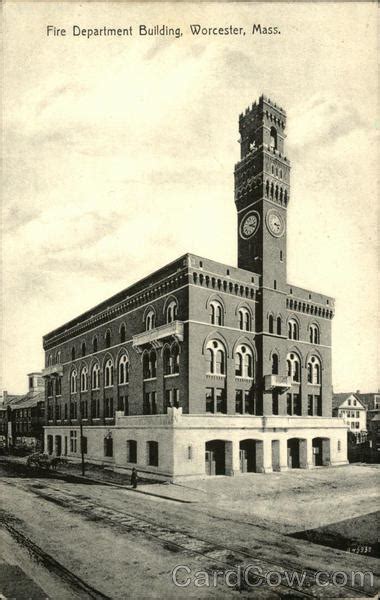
x=134 y=478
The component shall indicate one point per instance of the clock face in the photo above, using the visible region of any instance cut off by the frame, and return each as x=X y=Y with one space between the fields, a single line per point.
x=275 y=223
x=249 y=225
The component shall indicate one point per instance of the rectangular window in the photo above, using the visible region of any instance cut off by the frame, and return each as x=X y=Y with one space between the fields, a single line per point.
x=132 y=451
x=66 y=411
x=84 y=444
x=73 y=441
x=310 y=410
x=108 y=408
x=220 y=399
x=239 y=402
x=153 y=403
x=357 y=414
x=289 y=404
x=146 y=405
x=210 y=400
x=189 y=453
x=275 y=403
x=297 y=404
x=152 y=454
x=249 y=403
x=95 y=408
x=318 y=401
x=339 y=445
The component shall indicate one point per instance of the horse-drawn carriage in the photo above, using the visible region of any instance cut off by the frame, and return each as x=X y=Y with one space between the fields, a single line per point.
x=44 y=461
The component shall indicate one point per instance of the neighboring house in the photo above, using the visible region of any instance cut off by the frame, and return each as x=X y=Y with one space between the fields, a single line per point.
x=354 y=412
x=202 y=367
x=22 y=417
x=6 y=402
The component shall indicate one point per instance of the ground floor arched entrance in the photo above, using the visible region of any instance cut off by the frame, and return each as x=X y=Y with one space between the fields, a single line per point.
x=251 y=456
x=297 y=453
x=218 y=457
x=321 y=452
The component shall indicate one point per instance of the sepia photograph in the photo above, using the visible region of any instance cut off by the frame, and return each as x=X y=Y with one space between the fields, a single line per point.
x=190 y=382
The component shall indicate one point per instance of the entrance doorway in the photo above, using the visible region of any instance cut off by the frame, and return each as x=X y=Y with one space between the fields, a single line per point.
x=248 y=456
x=321 y=452
x=294 y=453
x=215 y=457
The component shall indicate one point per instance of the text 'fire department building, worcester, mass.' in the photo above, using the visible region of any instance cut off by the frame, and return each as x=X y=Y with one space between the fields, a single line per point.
x=203 y=368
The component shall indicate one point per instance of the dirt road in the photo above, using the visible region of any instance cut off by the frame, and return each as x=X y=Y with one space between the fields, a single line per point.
x=96 y=541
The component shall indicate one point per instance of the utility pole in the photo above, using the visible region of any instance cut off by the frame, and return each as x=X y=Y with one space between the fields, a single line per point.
x=81 y=442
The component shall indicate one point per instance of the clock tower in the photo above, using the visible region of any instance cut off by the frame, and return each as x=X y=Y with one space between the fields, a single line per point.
x=262 y=193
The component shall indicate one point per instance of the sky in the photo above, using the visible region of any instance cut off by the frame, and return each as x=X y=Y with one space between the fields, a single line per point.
x=118 y=157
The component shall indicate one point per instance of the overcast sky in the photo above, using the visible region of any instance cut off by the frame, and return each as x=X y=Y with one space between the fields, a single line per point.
x=119 y=156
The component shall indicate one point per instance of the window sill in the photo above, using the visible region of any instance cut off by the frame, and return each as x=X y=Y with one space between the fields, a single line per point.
x=220 y=375
x=150 y=378
x=171 y=375
x=125 y=383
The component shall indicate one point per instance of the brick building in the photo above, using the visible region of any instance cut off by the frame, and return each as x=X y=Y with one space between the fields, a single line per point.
x=205 y=368
x=22 y=417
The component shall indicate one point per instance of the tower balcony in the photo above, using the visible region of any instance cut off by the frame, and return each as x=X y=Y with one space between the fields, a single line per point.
x=56 y=369
x=157 y=336
x=278 y=383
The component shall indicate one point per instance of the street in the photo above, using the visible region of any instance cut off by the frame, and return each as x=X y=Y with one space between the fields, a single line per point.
x=62 y=537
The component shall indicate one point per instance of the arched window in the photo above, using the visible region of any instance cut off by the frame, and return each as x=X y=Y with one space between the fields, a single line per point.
x=153 y=363
x=274 y=364
x=216 y=313
x=244 y=362
x=270 y=323
x=73 y=382
x=83 y=349
x=314 y=334
x=50 y=360
x=122 y=333
x=171 y=360
x=150 y=365
x=171 y=311
x=58 y=359
x=294 y=367
x=108 y=373
x=244 y=319
x=314 y=370
x=271 y=189
x=150 y=320
x=273 y=138
x=95 y=379
x=278 y=325
x=293 y=333
x=216 y=358
x=108 y=338
x=95 y=344
x=123 y=369
x=84 y=380
x=73 y=353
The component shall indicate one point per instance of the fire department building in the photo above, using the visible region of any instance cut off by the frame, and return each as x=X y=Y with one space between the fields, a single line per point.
x=203 y=368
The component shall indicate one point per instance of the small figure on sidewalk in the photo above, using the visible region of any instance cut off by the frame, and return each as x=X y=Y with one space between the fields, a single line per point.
x=134 y=478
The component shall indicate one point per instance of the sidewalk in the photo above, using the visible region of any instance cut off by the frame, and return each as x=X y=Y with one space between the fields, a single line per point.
x=98 y=474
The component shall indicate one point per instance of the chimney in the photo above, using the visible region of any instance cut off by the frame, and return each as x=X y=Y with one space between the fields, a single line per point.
x=357 y=392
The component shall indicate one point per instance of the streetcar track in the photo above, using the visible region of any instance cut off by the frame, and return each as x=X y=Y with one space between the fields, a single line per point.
x=178 y=541
x=52 y=564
